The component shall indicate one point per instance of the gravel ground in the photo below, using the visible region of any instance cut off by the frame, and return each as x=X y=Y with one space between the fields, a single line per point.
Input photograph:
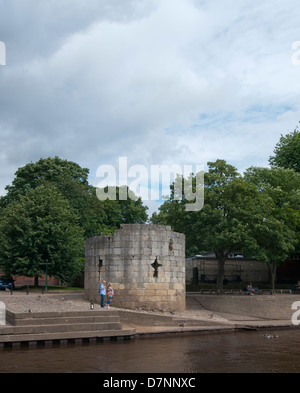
x=20 y=302
x=37 y=302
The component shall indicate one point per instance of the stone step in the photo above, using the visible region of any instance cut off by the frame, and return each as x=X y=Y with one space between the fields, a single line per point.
x=41 y=317
x=64 y=320
x=54 y=328
x=54 y=314
x=192 y=303
x=60 y=336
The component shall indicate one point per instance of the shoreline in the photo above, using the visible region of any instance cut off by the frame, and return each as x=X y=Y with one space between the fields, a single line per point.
x=133 y=323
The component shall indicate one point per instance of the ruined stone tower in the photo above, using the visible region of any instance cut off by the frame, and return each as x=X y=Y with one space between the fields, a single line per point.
x=144 y=263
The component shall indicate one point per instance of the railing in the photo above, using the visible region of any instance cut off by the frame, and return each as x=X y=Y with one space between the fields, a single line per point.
x=242 y=292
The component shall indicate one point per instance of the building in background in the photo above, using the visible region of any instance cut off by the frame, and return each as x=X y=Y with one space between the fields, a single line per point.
x=203 y=268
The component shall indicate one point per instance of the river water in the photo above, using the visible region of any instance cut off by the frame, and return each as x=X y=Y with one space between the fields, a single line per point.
x=234 y=352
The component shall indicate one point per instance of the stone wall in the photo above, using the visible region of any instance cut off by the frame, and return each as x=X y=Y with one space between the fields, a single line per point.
x=144 y=263
x=235 y=269
x=257 y=306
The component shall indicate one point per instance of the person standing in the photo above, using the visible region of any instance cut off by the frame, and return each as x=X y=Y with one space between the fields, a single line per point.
x=102 y=291
x=110 y=295
x=250 y=289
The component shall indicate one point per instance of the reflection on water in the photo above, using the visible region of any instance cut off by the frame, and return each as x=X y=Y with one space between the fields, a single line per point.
x=229 y=352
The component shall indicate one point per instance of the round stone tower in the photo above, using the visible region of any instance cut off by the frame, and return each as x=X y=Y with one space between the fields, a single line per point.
x=144 y=263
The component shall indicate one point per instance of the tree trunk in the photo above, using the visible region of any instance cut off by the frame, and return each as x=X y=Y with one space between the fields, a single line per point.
x=36 y=281
x=220 y=275
x=272 y=269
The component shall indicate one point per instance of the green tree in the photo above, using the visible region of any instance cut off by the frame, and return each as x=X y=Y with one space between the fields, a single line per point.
x=173 y=212
x=109 y=214
x=39 y=227
x=257 y=214
x=71 y=180
x=277 y=222
x=67 y=176
x=223 y=223
x=287 y=152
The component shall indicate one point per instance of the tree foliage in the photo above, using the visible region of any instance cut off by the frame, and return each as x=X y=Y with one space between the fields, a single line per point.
x=256 y=214
x=287 y=152
x=67 y=183
x=71 y=180
x=39 y=227
x=222 y=225
x=277 y=223
x=68 y=177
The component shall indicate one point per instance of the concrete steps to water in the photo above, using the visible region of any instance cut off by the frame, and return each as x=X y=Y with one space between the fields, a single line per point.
x=193 y=302
x=58 y=337
x=63 y=318
x=57 y=327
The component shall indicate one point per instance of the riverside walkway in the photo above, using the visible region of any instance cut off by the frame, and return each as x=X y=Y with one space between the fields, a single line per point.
x=53 y=317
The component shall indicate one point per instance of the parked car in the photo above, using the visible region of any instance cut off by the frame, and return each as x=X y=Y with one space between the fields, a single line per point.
x=4 y=284
x=8 y=278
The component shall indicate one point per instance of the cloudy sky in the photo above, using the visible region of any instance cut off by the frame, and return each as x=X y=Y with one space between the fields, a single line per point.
x=157 y=81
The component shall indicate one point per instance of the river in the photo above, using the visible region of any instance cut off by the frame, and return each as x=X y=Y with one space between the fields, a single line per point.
x=234 y=352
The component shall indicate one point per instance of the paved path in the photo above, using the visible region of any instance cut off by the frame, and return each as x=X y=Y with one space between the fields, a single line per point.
x=19 y=302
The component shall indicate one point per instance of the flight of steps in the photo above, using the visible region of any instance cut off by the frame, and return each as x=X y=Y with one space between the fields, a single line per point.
x=193 y=302
x=54 y=327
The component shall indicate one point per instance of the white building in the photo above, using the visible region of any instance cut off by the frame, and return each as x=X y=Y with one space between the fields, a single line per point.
x=203 y=269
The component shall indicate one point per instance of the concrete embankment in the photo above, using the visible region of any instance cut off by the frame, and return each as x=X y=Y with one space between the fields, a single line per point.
x=272 y=307
x=218 y=313
x=52 y=318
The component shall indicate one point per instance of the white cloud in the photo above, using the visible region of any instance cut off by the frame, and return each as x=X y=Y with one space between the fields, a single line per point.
x=173 y=81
